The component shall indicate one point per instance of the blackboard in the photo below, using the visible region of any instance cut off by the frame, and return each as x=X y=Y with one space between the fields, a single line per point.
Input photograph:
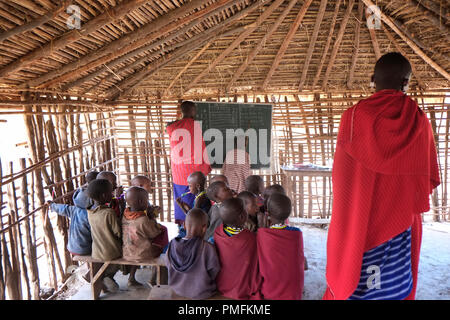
x=222 y=116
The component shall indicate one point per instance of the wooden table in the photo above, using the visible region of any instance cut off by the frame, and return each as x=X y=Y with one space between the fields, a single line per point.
x=291 y=174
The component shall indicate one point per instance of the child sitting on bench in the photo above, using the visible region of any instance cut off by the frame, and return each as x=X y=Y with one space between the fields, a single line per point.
x=146 y=183
x=281 y=269
x=196 y=182
x=192 y=262
x=255 y=185
x=80 y=238
x=255 y=216
x=105 y=229
x=139 y=231
x=218 y=192
x=239 y=276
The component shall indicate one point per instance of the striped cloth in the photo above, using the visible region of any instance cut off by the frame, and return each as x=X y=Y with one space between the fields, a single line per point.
x=236 y=168
x=393 y=261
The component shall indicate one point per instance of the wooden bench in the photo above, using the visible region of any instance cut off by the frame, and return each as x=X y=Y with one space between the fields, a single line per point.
x=97 y=267
x=163 y=292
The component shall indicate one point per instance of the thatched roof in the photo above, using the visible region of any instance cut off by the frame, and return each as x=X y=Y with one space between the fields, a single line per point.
x=173 y=48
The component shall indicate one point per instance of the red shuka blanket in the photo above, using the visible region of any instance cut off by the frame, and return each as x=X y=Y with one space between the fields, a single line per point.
x=385 y=168
x=281 y=263
x=239 y=276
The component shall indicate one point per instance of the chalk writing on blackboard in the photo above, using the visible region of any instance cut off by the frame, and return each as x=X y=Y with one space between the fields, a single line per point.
x=249 y=118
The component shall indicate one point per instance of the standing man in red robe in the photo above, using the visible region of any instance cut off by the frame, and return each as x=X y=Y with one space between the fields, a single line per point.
x=187 y=155
x=385 y=168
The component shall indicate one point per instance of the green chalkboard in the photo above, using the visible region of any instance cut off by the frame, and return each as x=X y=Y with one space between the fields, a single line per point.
x=254 y=120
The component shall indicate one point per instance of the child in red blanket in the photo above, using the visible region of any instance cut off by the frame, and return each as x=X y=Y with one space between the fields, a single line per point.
x=280 y=253
x=239 y=276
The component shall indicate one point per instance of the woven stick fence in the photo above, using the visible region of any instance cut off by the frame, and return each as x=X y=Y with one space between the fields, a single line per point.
x=66 y=140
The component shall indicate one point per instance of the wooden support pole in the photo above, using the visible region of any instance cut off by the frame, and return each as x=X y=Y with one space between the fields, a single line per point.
x=126 y=159
x=9 y=286
x=158 y=170
x=142 y=149
x=31 y=246
x=282 y=50
x=17 y=232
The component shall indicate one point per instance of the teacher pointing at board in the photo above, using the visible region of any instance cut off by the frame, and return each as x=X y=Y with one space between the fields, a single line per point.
x=187 y=149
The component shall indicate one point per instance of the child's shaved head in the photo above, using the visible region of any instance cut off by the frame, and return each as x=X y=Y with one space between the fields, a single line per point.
x=91 y=175
x=275 y=188
x=254 y=184
x=137 y=198
x=100 y=190
x=219 y=177
x=279 y=207
x=232 y=212
x=196 y=223
x=110 y=176
x=143 y=182
x=219 y=191
x=196 y=216
x=392 y=71
x=246 y=196
x=250 y=202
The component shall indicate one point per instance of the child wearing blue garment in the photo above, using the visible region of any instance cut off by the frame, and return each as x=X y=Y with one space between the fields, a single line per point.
x=195 y=198
x=80 y=239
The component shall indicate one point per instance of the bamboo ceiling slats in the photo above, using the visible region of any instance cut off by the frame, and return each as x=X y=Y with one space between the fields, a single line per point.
x=317 y=56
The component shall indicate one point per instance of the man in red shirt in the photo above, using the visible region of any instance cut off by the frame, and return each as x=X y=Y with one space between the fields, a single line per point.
x=187 y=155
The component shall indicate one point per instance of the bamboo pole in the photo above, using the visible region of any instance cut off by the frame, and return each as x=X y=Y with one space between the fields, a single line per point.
x=11 y=288
x=127 y=166
x=31 y=246
x=142 y=149
x=158 y=169
x=13 y=278
x=32 y=146
x=133 y=137
x=20 y=255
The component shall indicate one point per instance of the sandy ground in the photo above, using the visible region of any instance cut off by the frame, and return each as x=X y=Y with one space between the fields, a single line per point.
x=433 y=283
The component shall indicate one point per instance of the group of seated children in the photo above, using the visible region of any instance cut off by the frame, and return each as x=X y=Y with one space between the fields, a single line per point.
x=241 y=248
x=109 y=224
